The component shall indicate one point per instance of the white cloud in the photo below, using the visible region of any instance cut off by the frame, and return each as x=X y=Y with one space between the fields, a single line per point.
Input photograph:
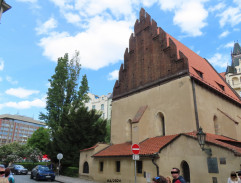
x=224 y=34
x=229 y=45
x=25 y=104
x=103 y=43
x=232 y=15
x=63 y=4
x=113 y=75
x=10 y=80
x=217 y=7
x=72 y=18
x=1 y=64
x=190 y=15
x=47 y=26
x=117 y=8
x=20 y=92
x=219 y=60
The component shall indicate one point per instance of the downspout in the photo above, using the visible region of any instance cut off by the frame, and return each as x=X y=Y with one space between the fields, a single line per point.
x=195 y=104
x=153 y=161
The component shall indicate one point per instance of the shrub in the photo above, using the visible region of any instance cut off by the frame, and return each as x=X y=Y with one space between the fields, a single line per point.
x=71 y=171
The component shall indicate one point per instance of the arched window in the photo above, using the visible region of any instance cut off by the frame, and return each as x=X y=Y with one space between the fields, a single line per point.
x=185 y=171
x=216 y=125
x=235 y=80
x=86 y=167
x=129 y=131
x=161 y=123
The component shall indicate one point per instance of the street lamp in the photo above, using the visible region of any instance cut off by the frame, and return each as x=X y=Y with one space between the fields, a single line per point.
x=201 y=137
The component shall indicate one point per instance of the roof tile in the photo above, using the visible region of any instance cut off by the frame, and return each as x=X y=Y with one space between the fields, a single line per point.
x=154 y=145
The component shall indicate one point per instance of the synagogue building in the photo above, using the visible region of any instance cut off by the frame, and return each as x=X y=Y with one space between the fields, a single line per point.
x=164 y=95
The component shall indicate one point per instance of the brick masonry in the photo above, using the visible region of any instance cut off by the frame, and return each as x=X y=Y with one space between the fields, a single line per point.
x=152 y=58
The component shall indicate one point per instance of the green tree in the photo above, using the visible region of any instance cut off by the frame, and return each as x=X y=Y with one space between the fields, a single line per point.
x=72 y=127
x=15 y=152
x=40 y=139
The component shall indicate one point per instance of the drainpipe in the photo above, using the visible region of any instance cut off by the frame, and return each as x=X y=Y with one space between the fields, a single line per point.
x=153 y=161
x=195 y=104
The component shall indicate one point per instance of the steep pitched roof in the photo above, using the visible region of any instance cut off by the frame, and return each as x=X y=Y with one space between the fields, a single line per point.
x=202 y=70
x=160 y=58
x=236 y=49
x=156 y=144
x=223 y=75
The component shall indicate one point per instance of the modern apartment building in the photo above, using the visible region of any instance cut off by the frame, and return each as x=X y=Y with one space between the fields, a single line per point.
x=100 y=103
x=16 y=128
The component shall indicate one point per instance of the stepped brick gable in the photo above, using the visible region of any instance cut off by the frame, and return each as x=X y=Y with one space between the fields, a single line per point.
x=152 y=58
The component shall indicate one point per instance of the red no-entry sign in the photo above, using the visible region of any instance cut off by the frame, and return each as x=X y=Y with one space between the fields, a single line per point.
x=135 y=148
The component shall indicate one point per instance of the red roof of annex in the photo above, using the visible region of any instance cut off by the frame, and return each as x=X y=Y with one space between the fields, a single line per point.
x=156 y=144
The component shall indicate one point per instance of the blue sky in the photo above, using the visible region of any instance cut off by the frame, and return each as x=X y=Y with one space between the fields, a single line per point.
x=34 y=33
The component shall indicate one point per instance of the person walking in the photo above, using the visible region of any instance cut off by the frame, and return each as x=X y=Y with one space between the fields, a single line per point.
x=176 y=176
x=169 y=179
x=9 y=176
x=233 y=178
x=2 y=175
x=239 y=176
x=159 y=179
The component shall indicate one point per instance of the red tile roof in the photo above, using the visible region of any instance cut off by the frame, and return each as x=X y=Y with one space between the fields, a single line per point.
x=223 y=75
x=147 y=147
x=210 y=75
x=155 y=144
x=220 y=141
x=90 y=148
x=139 y=114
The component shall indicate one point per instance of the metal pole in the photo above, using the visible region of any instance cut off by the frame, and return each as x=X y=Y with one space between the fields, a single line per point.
x=59 y=167
x=135 y=171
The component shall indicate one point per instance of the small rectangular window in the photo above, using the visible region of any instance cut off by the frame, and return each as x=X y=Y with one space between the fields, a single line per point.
x=93 y=106
x=117 y=166
x=200 y=74
x=101 y=166
x=139 y=166
x=221 y=86
x=102 y=107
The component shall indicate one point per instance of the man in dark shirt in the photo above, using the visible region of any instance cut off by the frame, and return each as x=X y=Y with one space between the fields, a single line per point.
x=176 y=176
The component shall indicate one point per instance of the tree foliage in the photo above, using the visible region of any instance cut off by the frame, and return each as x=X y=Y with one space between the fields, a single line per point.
x=40 y=139
x=15 y=152
x=72 y=126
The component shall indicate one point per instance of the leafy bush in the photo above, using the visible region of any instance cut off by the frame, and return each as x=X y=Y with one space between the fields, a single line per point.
x=71 y=172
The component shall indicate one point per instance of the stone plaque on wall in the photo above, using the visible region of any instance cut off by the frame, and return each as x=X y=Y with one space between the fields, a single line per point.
x=222 y=161
x=212 y=165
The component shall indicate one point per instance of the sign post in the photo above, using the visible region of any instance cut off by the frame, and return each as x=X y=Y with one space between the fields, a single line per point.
x=135 y=150
x=59 y=157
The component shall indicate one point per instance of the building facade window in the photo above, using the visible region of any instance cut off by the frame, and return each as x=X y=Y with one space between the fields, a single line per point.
x=102 y=107
x=216 y=125
x=185 y=171
x=101 y=166
x=117 y=166
x=93 y=106
x=139 y=166
x=162 y=123
x=86 y=167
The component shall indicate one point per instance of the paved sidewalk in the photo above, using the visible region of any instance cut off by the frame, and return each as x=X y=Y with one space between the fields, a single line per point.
x=65 y=179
